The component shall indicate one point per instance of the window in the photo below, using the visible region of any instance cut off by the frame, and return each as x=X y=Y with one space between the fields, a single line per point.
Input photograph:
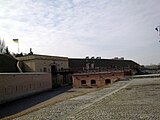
x=44 y=69
x=107 y=81
x=93 y=82
x=83 y=82
x=62 y=69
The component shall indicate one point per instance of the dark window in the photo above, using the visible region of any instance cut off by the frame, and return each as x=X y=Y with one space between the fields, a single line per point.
x=83 y=82
x=107 y=81
x=93 y=82
x=54 y=70
x=62 y=69
x=44 y=69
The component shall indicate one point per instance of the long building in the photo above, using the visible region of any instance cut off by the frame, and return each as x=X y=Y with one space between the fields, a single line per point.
x=80 y=65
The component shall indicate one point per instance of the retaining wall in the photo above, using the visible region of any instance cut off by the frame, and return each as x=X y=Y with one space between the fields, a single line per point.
x=17 y=85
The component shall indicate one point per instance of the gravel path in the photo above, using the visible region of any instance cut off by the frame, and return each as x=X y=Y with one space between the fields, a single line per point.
x=138 y=101
x=66 y=108
x=35 y=102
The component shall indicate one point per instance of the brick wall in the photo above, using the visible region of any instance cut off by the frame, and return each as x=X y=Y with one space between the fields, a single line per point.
x=16 y=85
x=101 y=78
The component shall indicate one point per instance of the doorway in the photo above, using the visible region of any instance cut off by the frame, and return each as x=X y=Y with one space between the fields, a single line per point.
x=54 y=76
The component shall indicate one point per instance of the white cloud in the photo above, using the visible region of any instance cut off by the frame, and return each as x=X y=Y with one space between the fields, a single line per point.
x=77 y=28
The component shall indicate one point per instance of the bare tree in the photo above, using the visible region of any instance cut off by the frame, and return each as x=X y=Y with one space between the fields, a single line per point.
x=3 y=47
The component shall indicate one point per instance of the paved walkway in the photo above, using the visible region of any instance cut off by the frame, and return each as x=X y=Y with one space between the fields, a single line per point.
x=66 y=108
x=138 y=99
x=38 y=101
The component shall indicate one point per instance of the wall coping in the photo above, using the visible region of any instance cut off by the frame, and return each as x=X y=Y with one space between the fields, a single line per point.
x=41 y=57
x=93 y=73
x=28 y=73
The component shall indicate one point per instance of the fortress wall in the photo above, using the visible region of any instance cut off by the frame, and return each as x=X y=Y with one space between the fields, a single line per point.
x=17 y=85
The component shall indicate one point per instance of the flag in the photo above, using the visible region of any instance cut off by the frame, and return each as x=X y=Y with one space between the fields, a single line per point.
x=156 y=28
x=15 y=40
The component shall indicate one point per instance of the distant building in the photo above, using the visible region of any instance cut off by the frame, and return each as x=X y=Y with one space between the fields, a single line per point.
x=61 y=68
x=80 y=65
x=57 y=66
x=97 y=79
x=43 y=63
x=100 y=72
x=117 y=58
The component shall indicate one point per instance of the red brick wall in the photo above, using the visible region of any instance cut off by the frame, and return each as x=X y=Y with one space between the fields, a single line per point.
x=13 y=86
x=98 y=77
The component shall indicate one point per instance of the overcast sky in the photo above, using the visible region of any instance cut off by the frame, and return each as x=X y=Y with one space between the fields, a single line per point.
x=80 y=28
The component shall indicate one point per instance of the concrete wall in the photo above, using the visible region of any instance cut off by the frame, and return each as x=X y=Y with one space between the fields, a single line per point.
x=99 y=77
x=28 y=66
x=42 y=63
x=17 y=85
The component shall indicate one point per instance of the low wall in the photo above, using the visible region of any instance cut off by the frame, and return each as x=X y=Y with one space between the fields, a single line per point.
x=146 y=76
x=17 y=85
x=101 y=78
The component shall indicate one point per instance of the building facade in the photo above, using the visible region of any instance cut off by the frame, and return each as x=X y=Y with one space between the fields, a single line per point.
x=43 y=63
x=62 y=68
x=79 y=65
x=97 y=79
x=56 y=66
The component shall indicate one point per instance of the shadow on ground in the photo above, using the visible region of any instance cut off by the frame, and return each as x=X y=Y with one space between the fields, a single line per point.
x=19 y=105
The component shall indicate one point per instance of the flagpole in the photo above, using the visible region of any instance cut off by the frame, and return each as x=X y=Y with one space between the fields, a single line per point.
x=18 y=46
x=17 y=41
